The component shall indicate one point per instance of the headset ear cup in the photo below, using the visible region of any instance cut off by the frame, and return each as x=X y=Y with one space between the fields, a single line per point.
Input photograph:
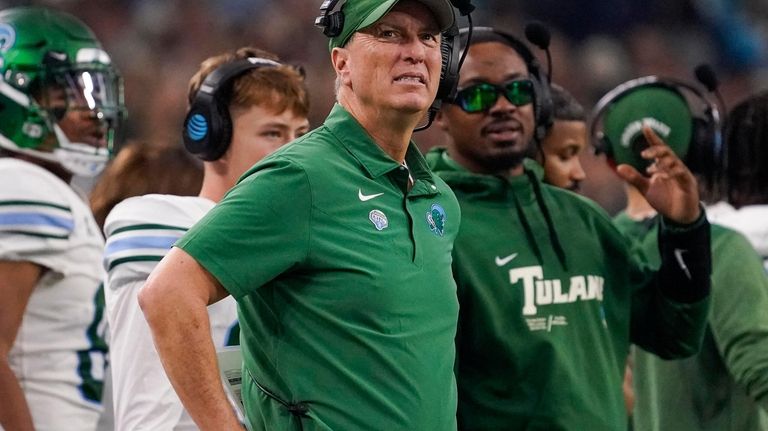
x=208 y=125
x=334 y=24
x=449 y=71
x=197 y=129
x=605 y=147
x=207 y=130
x=546 y=108
x=702 y=159
x=601 y=143
x=705 y=158
x=542 y=107
x=221 y=139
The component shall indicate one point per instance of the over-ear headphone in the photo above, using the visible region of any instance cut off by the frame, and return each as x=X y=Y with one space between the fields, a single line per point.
x=208 y=125
x=449 y=72
x=703 y=153
x=542 y=104
x=332 y=23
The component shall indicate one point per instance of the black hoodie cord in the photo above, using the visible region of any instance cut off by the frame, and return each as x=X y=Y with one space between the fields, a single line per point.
x=548 y=217
x=527 y=228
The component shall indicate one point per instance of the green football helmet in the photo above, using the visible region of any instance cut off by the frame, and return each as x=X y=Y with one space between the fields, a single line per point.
x=61 y=99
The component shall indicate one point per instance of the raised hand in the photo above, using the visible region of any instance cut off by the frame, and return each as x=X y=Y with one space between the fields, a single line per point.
x=670 y=188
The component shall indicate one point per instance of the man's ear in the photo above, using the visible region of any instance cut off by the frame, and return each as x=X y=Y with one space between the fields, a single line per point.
x=340 y=62
x=440 y=119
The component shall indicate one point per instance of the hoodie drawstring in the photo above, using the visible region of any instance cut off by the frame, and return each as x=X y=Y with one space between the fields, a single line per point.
x=548 y=218
x=527 y=228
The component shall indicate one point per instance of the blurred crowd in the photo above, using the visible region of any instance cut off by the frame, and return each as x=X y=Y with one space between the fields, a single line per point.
x=435 y=326
x=596 y=44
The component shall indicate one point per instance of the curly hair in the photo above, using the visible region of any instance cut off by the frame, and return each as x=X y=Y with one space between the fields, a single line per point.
x=745 y=138
x=141 y=168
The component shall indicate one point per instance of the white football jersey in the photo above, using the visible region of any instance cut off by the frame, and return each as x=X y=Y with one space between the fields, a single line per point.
x=59 y=352
x=750 y=220
x=139 y=232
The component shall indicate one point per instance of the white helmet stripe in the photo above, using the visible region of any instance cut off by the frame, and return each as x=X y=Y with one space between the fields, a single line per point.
x=14 y=94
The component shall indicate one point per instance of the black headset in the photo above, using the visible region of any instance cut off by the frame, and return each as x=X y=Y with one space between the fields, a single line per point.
x=542 y=105
x=332 y=23
x=208 y=125
x=705 y=151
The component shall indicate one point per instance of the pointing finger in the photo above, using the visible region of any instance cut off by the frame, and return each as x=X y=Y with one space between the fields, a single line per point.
x=651 y=137
x=632 y=176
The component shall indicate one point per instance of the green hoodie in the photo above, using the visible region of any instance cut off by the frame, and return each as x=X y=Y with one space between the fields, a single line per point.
x=550 y=299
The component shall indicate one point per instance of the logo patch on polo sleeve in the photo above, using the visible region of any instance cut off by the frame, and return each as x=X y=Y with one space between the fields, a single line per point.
x=436 y=219
x=378 y=219
x=7 y=37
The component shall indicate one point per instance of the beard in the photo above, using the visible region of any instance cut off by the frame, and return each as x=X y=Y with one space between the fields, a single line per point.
x=505 y=156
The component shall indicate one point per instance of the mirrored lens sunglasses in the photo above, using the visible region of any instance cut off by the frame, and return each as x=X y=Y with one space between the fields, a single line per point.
x=482 y=96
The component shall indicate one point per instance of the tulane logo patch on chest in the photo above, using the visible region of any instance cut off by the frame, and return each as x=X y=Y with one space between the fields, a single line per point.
x=436 y=219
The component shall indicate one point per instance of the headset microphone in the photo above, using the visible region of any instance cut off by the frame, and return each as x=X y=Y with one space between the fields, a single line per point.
x=539 y=35
x=465 y=7
x=707 y=77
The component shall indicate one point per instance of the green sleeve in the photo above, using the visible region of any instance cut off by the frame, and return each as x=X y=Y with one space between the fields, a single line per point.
x=259 y=230
x=739 y=316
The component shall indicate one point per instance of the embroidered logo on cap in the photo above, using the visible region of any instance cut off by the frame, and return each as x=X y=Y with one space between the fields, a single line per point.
x=436 y=219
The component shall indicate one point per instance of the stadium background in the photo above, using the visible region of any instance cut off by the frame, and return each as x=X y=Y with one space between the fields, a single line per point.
x=596 y=44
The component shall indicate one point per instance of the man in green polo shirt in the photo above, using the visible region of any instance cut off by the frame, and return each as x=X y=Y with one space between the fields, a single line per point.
x=338 y=251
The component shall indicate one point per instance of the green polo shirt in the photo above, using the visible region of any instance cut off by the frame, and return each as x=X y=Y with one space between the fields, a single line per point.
x=343 y=280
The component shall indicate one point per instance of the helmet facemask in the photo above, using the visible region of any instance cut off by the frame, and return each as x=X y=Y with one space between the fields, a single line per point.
x=86 y=107
x=61 y=100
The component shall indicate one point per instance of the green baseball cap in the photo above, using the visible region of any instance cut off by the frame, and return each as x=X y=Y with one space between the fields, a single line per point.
x=664 y=109
x=359 y=14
